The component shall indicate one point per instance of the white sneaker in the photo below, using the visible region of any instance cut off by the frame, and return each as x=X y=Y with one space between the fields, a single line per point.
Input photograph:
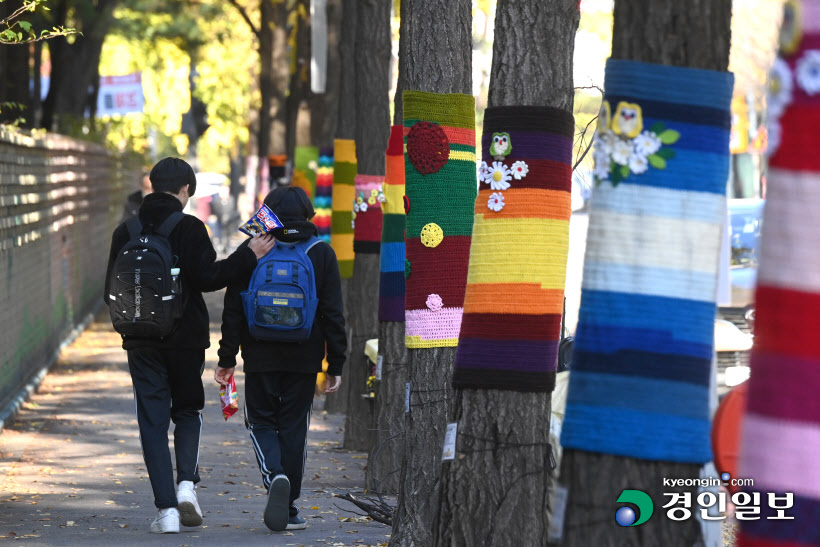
x=190 y=513
x=167 y=522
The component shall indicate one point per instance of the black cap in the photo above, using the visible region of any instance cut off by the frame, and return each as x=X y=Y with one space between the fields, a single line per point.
x=290 y=204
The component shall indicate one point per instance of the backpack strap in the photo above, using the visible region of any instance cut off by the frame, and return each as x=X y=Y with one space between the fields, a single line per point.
x=134 y=227
x=311 y=242
x=169 y=224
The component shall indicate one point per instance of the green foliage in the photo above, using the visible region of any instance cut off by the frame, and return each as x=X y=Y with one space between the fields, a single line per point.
x=14 y=30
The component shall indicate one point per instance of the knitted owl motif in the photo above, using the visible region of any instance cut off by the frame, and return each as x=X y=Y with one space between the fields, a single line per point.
x=628 y=120
x=501 y=146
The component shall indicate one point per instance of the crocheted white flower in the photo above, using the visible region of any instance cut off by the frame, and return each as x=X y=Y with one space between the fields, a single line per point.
x=602 y=163
x=381 y=198
x=363 y=207
x=434 y=302
x=355 y=207
x=496 y=201
x=638 y=164
x=500 y=176
x=774 y=133
x=646 y=143
x=352 y=224
x=622 y=151
x=520 y=170
x=483 y=171
x=780 y=87
x=808 y=72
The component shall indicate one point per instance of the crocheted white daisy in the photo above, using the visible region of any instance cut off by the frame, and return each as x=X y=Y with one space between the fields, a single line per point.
x=602 y=163
x=622 y=151
x=780 y=88
x=646 y=143
x=496 y=201
x=483 y=171
x=638 y=164
x=363 y=207
x=520 y=170
x=808 y=72
x=355 y=207
x=500 y=176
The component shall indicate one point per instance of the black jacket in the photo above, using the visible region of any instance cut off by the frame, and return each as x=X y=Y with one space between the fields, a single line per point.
x=328 y=329
x=132 y=205
x=199 y=271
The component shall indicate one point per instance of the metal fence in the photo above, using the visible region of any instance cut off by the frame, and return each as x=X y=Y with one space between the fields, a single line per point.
x=59 y=202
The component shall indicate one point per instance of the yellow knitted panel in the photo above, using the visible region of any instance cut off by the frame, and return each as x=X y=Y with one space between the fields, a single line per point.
x=519 y=250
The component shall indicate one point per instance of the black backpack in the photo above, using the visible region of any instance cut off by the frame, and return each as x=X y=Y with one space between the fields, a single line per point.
x=144 y=299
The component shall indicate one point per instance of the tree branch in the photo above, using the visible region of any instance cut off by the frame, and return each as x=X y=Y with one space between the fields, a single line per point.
x=247 y=19
x=378 y=512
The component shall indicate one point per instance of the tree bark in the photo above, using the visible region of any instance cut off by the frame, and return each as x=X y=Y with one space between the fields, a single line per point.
x=690 y=33
x=324 y=107
x=437 y=58
x=346 y=129
x=372 y=132
x=386 y=456
x=509 y=486
x=74 y=67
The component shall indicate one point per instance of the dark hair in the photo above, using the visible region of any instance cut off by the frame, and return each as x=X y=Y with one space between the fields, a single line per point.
x=171 y=174
x=290 y=203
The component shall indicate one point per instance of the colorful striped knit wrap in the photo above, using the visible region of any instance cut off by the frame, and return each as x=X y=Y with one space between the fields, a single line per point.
x=518 y=258
x=440 y=180
x=780 y=447
x=367 y=212
x=643 y=349
x=323 y=203
x=344 y=180
x=391 y=265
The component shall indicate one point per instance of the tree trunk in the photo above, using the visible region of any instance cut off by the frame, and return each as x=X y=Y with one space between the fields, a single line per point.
x=385 y=459
x=74 y=67
x=437 y=40
x=690 y=33
x=496 y=491
x=324 y=107
x=345 y=129
x=266 y=84
x=372 y=131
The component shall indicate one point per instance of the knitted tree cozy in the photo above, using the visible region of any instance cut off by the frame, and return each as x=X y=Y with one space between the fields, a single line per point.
x=518 y=258
x=323 y=203
x=391 y=265
x=644 y=342
x=344 y=179
x=367 y=214
x=780 y=447
x=440 y=181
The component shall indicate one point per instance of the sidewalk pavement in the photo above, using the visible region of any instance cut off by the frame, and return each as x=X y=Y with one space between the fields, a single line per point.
x=72 y=470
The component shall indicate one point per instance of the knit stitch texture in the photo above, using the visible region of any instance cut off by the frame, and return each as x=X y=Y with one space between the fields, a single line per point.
x=344 y=179
x=781 y=427
x=642 y=358
x=391 y=265
x=440 y=219
x=367 y=206
x=518 y=258
x=323 y=203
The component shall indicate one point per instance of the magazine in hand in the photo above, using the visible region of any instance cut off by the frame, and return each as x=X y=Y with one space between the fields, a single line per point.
x=262 y=222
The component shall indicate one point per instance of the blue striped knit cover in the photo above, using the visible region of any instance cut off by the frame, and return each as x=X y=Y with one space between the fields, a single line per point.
x=639 y=385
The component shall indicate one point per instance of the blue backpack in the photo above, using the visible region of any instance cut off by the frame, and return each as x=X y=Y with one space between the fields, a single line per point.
x=280 y=303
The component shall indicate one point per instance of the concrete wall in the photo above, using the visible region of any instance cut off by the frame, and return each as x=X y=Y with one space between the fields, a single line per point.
x=60 y=200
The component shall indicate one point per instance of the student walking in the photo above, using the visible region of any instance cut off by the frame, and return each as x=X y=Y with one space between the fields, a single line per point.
x=280 y=374
x=166 y=355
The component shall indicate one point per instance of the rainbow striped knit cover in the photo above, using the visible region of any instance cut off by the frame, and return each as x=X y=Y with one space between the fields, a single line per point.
x=440 y=179
x=781 y=429
x=639 y=386
x=323 y=202
x=518 y=258
x=391 y=265
x=344 y=180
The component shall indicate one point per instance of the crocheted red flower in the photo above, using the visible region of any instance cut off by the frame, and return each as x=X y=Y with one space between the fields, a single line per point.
x=428 y=147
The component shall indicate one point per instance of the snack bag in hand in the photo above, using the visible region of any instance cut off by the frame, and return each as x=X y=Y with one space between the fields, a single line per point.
x=229 y=398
